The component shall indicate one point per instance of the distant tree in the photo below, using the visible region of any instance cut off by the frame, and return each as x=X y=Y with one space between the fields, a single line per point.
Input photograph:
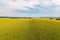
x=57 y=18
x=50 y=18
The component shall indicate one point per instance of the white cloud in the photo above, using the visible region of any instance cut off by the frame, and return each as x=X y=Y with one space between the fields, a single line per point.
x=9 y=5
x=6 y=12
x=19 y=4
x=56 y=2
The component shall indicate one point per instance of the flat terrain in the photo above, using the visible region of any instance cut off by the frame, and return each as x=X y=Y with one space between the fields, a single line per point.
x=29 y=29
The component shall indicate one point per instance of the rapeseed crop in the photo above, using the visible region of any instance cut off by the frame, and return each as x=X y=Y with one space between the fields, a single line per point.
x=29 y=29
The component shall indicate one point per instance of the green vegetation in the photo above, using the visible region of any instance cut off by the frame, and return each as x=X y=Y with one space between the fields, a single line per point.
x=29 y=29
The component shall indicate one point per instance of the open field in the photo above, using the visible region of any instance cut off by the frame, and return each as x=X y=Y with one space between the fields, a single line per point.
x=29 y=29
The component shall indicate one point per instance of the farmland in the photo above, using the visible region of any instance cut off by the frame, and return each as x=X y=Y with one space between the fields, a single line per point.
x=29 y=29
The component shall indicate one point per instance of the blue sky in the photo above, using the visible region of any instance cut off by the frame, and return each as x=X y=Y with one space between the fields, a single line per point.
x=27 y=8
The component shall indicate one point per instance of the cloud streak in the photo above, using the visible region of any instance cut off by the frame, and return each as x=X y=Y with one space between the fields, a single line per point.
x=29 y=7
